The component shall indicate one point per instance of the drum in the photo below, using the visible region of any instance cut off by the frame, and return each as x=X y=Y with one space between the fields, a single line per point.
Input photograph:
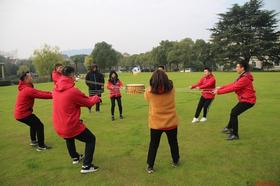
x=135 y=88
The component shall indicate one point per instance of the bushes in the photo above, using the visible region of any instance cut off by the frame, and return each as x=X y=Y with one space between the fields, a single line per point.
x=5 y=82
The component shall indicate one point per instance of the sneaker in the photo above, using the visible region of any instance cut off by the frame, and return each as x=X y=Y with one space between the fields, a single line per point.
x=150 y=170
x=45 y=147
x=121 y=117
x=195 y=120
x=227 y=130
x=78 y=159
x=33 y=143
x=175 y=164
x=203 y=119
x=232 y=137
x=113 y=118
x=87 y=169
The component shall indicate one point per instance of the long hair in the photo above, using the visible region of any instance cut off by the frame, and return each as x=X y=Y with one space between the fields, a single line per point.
x=114 y=81
x=160 y=83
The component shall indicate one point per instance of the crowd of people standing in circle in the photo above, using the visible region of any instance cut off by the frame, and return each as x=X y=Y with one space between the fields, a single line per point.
x=160 y=95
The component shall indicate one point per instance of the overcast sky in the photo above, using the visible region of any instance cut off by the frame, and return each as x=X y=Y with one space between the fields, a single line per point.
x=130 y=26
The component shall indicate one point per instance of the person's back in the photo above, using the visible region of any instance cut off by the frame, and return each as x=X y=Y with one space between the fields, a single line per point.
x=67 y=103
x=162 y=110
x=162 y=117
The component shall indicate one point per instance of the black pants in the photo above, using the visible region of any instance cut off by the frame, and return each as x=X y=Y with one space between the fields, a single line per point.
x=237 y=110
x=205 y=104
x=87 y=137
x=119 y=100
x=94 y=93
x=36 y=128
x=154 y=143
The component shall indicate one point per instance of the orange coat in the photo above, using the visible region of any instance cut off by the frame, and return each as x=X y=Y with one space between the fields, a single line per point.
x=162 y=110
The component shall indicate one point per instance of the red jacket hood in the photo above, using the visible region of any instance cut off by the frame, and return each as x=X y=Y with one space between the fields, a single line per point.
x=22 y=85
x=247 y=75
x=64 y=83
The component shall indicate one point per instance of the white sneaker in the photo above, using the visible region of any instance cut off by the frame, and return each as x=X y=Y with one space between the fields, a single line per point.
x=78 y=159
x=88 y=169
x=203 y=119
x=195 y=120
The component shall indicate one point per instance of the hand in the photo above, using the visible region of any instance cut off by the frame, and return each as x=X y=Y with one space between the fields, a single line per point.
x=95 y=99
x=215 y=90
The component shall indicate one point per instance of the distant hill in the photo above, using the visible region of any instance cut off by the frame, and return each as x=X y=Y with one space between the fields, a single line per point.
x=74 y=52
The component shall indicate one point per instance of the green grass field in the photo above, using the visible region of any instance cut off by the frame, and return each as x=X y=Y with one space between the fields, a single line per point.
x=121 y=147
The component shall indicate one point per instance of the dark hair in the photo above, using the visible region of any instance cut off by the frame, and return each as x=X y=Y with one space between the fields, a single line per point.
x=68 y=70
x=57 y=65
x=111 y=73
x=208 y=69
x=245 y=65
x=160 y=83
x=23 y=75
x=94 y=65
x=161 y=66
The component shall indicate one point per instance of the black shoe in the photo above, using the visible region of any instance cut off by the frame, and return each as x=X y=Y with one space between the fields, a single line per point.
x=45 y=147
x=150 y=170
x=227 y=130
x=233 y=137
x=175 y=164
x=121 y=117
x=88 y=169
x=113 y=118
x=78 y=159
x=33 y=143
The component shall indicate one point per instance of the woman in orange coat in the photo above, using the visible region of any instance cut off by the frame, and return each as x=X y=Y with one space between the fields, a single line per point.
x=162 y=117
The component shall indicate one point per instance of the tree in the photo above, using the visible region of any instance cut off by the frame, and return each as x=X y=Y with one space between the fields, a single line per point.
x=181 y=53
x=45 y=58
x=21 y=69
x=159 y=54
x=104 y=56
x=9 y=66
x=78 y=60
x=245 y=31
x=88 y=62
x=202 y=55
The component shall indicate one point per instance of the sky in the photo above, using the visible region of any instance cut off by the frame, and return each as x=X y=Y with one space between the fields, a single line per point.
x=128 y=25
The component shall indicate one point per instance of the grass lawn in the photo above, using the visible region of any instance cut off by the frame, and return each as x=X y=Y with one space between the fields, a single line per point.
x=121 y=147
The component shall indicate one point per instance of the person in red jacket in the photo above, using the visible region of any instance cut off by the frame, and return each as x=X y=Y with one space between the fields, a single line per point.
x=67 y=103
x=207 y=84
x=114 y=85
x=56 y=73
x=244 y=88
x=23 y=111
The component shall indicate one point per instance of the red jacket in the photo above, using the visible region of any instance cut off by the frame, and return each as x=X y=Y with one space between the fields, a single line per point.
x=25 y=99
x=67 y=103
x=55 y=76
x=207 y=84
x=243 y=87
x=115 y=89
